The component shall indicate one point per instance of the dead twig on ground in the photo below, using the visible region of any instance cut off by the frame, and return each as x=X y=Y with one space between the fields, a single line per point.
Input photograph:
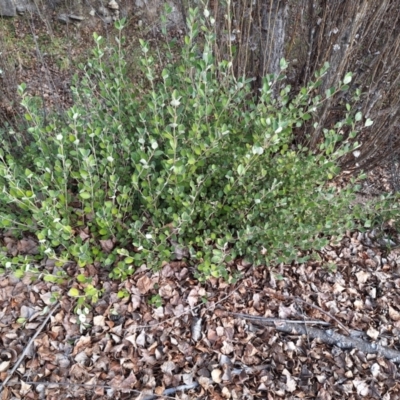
x=273 y=321
x=326 y=336
x=298 y=299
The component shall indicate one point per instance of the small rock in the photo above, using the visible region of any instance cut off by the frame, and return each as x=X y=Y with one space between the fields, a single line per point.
x=113 y=5
x=21 y=9
x=76 y=17
x=107 y=20
x=63 y=18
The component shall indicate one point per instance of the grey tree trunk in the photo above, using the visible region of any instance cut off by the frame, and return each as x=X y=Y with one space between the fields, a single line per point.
x=273 y=34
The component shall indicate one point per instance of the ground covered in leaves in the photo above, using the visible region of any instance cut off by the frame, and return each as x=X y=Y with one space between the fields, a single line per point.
x=166 y=335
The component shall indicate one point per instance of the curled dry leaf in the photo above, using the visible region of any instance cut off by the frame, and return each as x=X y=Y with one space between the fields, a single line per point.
x=363 y=276
x=373 y=333
x=4 y=365
x=84 y=234
x=196 y=329
x=107 y=245
x=8 y=355
x=141 y=339
x=27 y=312
x=226 y=393
x=291 y=385
x=99 y=320
x=193 y=297
x=227 y=348
x=216 y=375
x=361 y=386
x=205 y=382
x=375 y=369
x=144 y=284
x=394 y=314
x=28 y=246
x=168 y=367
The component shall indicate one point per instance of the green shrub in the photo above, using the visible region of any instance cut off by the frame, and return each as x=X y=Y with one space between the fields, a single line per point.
x=190 y=159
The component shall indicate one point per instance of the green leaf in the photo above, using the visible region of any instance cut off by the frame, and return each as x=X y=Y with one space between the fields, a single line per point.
x=85 y=195
x=347 y=78
x=123 y=252
x=73 y=292
x=329 y=92
x=81 y=278
x=241 y=170
x=122 y=294
x=19 y=273
x=358 y=116
x=368 y=122
x=154 y=145
x=283 y=64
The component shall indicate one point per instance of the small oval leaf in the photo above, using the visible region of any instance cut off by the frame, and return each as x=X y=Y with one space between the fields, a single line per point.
x=73 y=292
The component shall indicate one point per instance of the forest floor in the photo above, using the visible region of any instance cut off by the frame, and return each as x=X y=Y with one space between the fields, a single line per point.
x=166 y=335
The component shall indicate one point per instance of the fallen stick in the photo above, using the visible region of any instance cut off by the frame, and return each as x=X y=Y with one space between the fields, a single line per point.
x=298 y=299
x=326 y=336
x=342 y=341
x=165 y=393
x=263 y=320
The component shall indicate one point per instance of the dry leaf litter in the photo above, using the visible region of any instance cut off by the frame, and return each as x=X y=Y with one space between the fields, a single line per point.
x=326 y=329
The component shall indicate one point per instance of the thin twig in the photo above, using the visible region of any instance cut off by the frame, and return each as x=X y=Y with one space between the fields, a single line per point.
x=165 y=394
x=88 y=385
x=323 y=312
x=286 y=297
x=24 y=353
x=257 y=318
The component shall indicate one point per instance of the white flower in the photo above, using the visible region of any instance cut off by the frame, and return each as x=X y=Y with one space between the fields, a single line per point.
x=110 y=159
x=59 y=136
x=175 y=102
